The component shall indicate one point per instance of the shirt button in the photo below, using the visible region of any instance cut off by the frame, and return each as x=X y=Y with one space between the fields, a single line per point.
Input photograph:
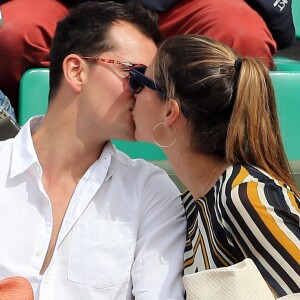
x=38 y=252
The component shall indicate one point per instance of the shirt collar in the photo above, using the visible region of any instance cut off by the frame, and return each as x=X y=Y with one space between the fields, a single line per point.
x=108 y=160
x=24 y=154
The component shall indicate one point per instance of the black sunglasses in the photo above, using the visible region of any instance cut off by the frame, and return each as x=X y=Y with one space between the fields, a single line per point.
x=137 y=81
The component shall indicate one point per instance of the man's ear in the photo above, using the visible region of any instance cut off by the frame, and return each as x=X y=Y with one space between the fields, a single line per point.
x=73 y=71
x=172 y=112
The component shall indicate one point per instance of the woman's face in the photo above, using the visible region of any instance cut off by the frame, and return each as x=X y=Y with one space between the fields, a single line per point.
x=148 y=111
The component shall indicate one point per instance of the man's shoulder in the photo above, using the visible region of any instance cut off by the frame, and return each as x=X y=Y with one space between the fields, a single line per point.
x=145 y=172
x=5 y=154
x=138 y=166
x=6 y=146
x=134 y=163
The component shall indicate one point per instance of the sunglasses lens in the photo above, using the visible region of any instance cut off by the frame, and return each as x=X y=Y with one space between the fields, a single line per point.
x=135 y=85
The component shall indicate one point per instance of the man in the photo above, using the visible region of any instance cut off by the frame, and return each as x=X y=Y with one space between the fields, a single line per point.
x=80 y=219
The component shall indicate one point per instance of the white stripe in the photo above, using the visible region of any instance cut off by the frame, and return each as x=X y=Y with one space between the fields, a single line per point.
x=287 y=199
x=279 y=221
x=198 y=256
x=211 y=231
x=206 y=244
x=258 y=235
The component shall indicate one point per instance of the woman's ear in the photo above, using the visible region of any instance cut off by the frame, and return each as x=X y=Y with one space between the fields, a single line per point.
x=72 y=68
x=172 y=112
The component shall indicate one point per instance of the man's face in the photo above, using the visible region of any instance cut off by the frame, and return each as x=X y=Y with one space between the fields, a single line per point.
x=108 y=100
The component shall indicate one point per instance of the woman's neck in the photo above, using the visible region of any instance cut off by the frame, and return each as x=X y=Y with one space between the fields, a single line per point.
x=198 y=172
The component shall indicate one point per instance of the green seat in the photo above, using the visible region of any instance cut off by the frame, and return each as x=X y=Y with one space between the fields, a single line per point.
x=287 y=91
x=34 y=101
x=140 y=150
x=286 y=64
x=33 y=97
x=296 y=16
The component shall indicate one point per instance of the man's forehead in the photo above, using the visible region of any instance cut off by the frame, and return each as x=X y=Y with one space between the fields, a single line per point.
x=129 y=43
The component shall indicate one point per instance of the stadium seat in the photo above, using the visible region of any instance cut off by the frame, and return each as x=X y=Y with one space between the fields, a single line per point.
x=287 y=91
x=33 y=97
x=33 y=100
x=296 y=16
x=286 y=64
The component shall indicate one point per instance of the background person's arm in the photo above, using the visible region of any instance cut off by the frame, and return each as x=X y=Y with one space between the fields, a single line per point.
x=278 y=17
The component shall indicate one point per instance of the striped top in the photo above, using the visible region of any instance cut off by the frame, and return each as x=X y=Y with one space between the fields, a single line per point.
x=246 y=214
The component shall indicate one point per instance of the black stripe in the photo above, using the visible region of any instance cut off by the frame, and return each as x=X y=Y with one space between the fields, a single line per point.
x=255 y=243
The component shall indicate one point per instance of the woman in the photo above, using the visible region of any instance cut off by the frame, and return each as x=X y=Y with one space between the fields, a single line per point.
x=213 y=114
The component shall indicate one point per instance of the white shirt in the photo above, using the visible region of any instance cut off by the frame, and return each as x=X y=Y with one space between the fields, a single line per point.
x=122 y=237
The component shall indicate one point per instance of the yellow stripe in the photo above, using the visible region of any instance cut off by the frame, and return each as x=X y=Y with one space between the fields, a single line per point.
x=190 y=261
x=199 y=238
x=204 y=254
x=224 y=262
x=221 y=246
x=269 y=221
x=240 y=177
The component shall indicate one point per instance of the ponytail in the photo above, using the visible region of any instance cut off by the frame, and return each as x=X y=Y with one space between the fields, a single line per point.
x=253 y=133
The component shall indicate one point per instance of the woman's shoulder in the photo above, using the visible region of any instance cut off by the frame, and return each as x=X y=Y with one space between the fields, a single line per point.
x=231 y=178
x=236 y=175
x=249 y=186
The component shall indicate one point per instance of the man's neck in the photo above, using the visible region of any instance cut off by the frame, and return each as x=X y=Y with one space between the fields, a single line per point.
x=60 y=153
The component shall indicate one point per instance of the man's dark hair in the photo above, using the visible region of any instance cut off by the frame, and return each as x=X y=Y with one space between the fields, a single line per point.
x=84 y=31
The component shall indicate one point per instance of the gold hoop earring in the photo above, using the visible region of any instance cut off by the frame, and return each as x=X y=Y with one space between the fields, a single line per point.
x=160 y=145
